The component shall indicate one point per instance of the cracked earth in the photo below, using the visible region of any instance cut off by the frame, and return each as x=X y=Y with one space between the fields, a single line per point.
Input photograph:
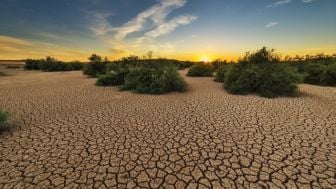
x=72 y=134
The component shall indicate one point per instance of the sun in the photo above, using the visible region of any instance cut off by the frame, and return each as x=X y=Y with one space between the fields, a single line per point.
x=205 y=59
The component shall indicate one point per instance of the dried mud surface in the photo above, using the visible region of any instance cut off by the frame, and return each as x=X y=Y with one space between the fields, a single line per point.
x=70 y=133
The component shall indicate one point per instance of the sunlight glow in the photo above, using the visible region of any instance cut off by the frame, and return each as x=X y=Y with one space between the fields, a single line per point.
x=205 y=59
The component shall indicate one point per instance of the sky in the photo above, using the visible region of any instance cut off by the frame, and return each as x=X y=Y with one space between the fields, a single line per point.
x=179 y=29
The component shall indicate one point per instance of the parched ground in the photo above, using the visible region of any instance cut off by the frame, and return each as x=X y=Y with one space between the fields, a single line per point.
x=71 y=134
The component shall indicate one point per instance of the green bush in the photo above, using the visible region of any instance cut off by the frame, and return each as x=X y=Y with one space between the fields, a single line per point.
x=299 y=66
x=221 y=72
x=313 y=73
x=261 y=73
x=329 y=75
x=109 y=79
x=95 y=67
x=50 y=64
x=159 y=80
x=201 y=70
x=184 y=64
x=143 y=76
x=75 y=66
x=218 y=63
x=3 y=120
x=31 y=64
x=120 y=69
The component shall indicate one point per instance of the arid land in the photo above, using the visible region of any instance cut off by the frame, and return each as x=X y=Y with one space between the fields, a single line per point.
x=70 y=133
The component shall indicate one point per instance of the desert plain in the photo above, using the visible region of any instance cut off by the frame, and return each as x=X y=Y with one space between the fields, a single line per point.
x=70 y=133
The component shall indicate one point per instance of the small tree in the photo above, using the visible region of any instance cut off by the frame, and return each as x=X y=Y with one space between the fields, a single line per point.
x=95 y=67
x=95 y=58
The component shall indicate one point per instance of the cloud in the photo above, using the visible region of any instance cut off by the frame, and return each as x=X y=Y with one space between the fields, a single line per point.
x=18 y=48
x=157 y=14
x=307 y=1
x=168 y=27
x=7 y=41
x=271 y=24
x=148 y=25
x=279 y=2
x=101 y=24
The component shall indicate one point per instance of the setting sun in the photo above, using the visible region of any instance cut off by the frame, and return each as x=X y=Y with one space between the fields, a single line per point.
x=205 y=59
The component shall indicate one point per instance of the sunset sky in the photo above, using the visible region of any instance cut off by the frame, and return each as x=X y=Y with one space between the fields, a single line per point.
x=181 y=29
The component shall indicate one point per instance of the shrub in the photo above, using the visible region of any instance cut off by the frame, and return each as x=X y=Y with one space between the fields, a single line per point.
x=145 y=79
x=185 y=64
x=50 y=64
x=261 y=73
x=279 y=80
x=329 y=75
x=299 y=66
x=201 y=70
x=313 y=73
x=121 y=68
x=120 y=71
x=221 y=72
x=3 y=120
x=95 y=67
x=218 y=63
x=31 y=64
x=242 y=78
x=143 y=76
x=109 y=79
x=75 y=66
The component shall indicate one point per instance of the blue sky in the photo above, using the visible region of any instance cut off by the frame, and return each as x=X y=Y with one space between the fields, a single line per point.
x=183 y=29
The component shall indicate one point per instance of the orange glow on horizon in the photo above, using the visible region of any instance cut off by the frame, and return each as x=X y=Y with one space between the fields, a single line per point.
x=205 y=59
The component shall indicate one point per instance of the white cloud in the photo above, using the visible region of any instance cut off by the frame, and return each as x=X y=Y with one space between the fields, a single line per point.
x=271 y=24
x=19 y=48
x=149 y=24
x=157 y=14
x=307 y=1
x=168 y=27
x=279 y=2
x=101 y=24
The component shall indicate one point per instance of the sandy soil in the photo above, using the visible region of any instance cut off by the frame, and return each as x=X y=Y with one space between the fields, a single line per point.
x=71 y=134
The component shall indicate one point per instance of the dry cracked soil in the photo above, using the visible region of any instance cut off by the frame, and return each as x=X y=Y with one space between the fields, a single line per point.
x=71 y=134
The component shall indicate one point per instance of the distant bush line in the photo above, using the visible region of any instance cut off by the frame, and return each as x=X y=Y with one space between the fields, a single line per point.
x=317 y=70
x=96 y=66
x=262 y=72
x=51 y=64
